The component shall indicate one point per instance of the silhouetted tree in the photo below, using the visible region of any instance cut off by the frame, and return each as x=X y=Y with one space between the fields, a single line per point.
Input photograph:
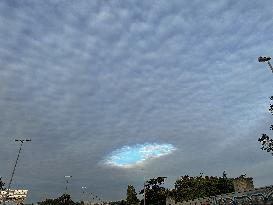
x=188 y=188
x=2 y=184
x=65 y=199
x=131 y=196
x=267 y=143
x=155 y=194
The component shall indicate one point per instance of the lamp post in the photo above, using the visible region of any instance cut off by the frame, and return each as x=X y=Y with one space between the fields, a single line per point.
x=83 y=188
x=67 y=176
x=13 y=171
x=263 y=59
x=144 y=187
x=144 y=199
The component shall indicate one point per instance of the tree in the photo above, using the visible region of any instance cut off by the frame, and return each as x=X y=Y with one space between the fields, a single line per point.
x=189 y=188
x=2 y=184
x=122 y=202
x=131 y=196
x=155 y=194
x=267 y=143
x=65 y=199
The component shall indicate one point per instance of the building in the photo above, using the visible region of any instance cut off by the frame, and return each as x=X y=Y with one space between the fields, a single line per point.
x=16 y=195
x=243 y=183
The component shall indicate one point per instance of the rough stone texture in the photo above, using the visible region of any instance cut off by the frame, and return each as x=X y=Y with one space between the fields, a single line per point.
x=242 y=184
x=17 y=195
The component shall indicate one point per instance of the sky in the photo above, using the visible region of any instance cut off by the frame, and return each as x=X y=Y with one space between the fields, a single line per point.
x=91 y=82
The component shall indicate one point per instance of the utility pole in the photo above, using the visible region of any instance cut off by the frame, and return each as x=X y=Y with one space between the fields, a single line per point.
x=83 y=188
x=13 y=171
x=144 y=197
x=66 y=185
x=144 y=192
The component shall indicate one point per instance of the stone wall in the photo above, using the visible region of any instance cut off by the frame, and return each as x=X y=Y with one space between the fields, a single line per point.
x=17 y=195
x=243 y=183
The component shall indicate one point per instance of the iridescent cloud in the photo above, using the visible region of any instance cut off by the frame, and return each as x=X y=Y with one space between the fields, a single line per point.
x=128 y=156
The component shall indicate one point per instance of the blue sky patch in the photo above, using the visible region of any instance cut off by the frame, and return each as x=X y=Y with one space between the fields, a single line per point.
x=128 y=156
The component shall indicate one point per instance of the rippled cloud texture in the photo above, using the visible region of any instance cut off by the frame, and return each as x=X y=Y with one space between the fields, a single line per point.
x=85 y=78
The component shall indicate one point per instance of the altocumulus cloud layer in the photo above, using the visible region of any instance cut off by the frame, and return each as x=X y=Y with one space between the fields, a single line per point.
x=85 y=78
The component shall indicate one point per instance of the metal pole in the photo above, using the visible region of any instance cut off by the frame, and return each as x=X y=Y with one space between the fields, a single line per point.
x=270 y=66
x=66 y=184
x=144 y=197
x=83 y=188
x=13 y=171
x=144 y=191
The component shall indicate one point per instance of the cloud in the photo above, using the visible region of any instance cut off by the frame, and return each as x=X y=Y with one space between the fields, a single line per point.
x=82 y=79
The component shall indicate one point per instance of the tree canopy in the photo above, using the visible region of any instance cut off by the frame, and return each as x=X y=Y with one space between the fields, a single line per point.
x=65 y=199
x=188 y=188
x=131 y=196
x=155 y=194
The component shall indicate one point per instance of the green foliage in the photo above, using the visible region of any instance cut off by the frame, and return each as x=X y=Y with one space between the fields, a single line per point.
x=155 y=194
x=188 y=188
x=65 y=199
x=131 y=196
x=267 y=143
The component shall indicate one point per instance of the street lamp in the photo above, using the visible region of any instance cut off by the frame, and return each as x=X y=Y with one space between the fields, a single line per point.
x=67 y=176
x=144 y=193
x=13 y=171
x=144 y=200
x=83 y=188
x=263 y=59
